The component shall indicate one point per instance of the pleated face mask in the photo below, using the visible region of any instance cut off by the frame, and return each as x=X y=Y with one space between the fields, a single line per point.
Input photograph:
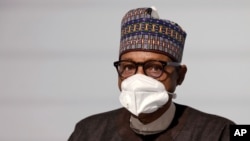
x=142 y=94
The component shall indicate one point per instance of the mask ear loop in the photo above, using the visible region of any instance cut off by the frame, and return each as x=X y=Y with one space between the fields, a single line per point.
x=174 y=95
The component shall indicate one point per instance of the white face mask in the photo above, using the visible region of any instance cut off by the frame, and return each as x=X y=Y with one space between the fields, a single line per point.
x=142 y=94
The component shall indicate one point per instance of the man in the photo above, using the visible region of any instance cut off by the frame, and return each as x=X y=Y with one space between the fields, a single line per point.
x=149 y=70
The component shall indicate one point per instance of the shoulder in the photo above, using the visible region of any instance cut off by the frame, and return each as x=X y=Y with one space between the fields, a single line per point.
x=95 y=126
x=207 y=117
x=203 y=126
x=100 y=118
x=207 y=125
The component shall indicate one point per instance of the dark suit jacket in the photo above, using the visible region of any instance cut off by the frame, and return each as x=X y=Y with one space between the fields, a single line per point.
x=188 y=125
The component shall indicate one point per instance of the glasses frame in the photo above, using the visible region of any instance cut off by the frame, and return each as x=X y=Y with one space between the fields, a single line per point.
x=137 y=64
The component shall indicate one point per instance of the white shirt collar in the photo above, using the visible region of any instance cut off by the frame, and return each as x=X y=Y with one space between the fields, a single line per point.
x=156 y=126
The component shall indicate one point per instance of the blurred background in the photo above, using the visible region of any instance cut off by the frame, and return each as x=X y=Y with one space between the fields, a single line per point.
x=56 y=61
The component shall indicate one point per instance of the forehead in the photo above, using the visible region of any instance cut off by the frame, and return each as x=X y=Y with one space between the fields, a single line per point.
x=142 y=56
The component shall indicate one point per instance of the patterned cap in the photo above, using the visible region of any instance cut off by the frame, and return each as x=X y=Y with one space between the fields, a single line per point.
x=142 y=30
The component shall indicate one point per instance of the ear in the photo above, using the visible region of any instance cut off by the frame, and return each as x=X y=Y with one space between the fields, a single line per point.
x=181 y=74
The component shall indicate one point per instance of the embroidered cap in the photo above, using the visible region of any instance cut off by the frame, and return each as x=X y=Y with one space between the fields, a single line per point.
x=142 y=30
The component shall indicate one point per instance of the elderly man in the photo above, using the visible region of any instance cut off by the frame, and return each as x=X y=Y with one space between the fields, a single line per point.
x=149 y=70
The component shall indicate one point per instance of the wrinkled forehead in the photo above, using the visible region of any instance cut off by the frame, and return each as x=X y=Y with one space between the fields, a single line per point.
x=143 y=56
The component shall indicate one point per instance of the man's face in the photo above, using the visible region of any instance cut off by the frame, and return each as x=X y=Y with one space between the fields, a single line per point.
x=170 y=78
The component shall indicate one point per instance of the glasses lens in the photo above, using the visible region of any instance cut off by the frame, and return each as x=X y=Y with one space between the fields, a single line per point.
x=153 y=69
x=126 y=68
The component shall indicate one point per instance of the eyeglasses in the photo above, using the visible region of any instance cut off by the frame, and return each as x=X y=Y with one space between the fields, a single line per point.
x=152 y=68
